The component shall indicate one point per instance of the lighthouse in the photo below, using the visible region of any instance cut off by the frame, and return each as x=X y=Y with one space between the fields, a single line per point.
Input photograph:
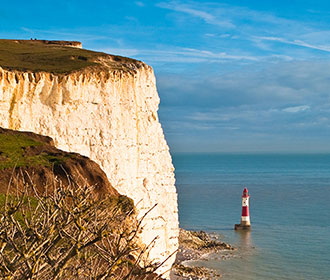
x=245 y=218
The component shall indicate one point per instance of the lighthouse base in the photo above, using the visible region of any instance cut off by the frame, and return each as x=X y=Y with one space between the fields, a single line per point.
x=242 y=227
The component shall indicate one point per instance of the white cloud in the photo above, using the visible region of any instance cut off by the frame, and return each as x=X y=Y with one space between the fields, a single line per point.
x=210 y=35
x=207 y=17
x=121 y=51
x=282 y=57
x=179 y=55
x=297 y=109
x=296 y=43
x=224 y=35
x=139 y=3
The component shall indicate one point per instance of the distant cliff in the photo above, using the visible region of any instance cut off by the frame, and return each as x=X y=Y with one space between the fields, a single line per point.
x=101 y=106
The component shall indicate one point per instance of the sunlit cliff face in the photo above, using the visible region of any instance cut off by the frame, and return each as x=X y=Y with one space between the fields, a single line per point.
x=110 y=116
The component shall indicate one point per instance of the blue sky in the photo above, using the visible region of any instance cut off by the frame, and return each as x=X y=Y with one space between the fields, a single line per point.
x=233 y=76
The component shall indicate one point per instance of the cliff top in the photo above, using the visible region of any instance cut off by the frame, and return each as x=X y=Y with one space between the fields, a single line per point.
x=58 y=57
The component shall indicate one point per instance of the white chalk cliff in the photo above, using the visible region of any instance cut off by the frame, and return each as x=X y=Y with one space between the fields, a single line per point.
x=109 y=115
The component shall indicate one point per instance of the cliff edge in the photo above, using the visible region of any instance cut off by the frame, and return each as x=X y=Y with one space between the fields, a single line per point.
x=101 y=106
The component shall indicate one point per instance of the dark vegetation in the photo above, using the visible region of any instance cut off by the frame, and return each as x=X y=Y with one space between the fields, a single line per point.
x=68 y=234
x=37 y=56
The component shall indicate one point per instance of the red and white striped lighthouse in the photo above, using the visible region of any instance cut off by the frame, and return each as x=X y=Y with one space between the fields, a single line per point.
x=245 y=218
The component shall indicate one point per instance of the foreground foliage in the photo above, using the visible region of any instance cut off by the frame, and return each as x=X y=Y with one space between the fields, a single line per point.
x=69 y=234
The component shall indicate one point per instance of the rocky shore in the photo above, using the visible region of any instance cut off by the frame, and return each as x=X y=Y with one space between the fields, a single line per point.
x=194 y=246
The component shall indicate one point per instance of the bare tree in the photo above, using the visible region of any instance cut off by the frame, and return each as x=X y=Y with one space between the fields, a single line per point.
x=68 y=233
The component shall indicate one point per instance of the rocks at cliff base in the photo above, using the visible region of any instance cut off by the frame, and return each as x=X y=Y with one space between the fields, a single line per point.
x=201 y=242
x=183 y=272
x=194 y=245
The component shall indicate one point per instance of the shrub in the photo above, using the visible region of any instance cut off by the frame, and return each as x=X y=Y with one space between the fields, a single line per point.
x=67 y=233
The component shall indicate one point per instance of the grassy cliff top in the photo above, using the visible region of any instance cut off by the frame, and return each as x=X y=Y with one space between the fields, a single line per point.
x=57 y=57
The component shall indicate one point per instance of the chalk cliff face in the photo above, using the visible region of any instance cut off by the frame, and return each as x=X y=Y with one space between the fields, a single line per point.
x=109 y=115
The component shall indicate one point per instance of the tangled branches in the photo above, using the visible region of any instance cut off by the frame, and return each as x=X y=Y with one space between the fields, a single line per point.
x=69 y=234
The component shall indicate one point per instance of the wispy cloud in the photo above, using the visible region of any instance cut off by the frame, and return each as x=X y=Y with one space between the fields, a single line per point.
x=258 y=26
x=272 y=89
x=296 y=43
x=139 y=3
x=296 y=109
x=183 y=55
x=282 y=57
x=205 y=16
x=131 y=52
x=220 y=55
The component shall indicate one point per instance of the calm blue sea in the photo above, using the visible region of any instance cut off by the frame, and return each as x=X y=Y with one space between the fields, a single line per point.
x=289 y=208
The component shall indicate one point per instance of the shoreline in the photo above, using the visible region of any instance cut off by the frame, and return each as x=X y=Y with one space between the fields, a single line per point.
x=194 y=246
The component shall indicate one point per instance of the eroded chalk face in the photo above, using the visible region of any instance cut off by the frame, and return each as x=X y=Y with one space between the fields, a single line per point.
x=111 y=117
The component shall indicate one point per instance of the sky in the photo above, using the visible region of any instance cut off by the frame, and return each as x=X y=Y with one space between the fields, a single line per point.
x=233 y=76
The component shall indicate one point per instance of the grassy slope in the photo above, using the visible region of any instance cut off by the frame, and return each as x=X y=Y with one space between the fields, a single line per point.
x=12 y=153
x=35 y=56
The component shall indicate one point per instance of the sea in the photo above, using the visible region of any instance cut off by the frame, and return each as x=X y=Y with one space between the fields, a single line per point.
x=289 y=210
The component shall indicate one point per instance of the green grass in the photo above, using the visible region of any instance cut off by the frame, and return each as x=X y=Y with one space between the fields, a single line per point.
x=36 y=56
x=29 y=203
x=12 y=153
x=28 y=200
